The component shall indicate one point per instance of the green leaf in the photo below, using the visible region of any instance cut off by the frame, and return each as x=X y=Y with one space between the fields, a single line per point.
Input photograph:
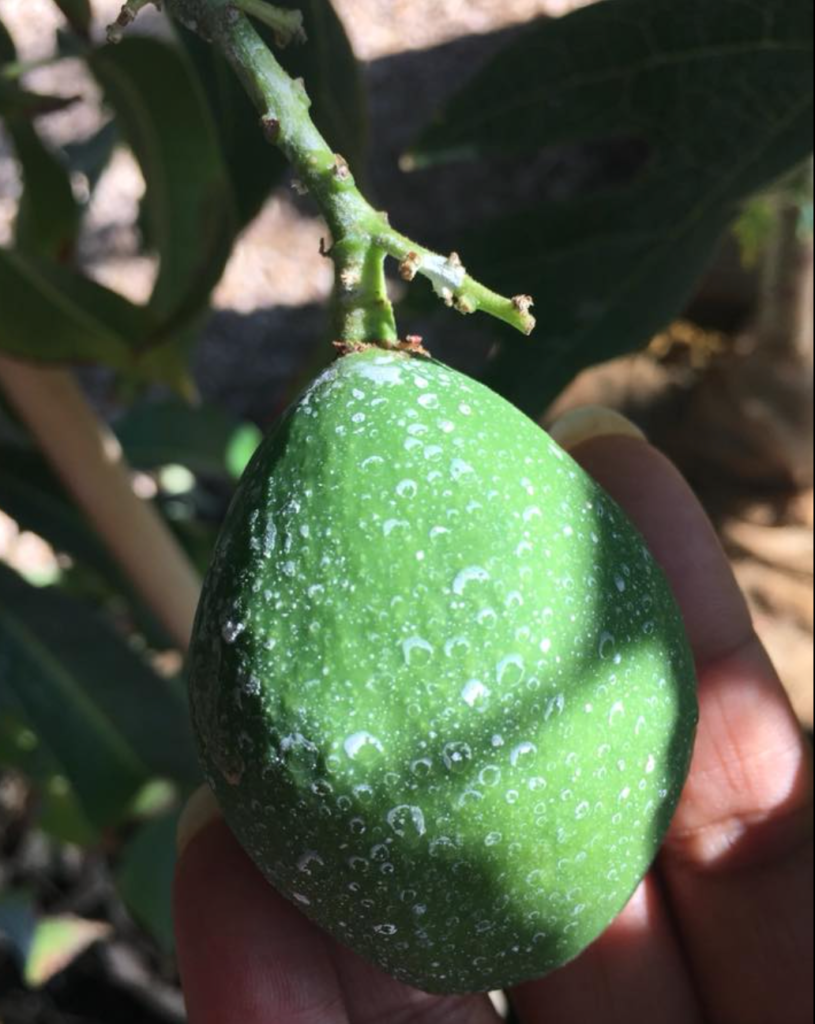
x=110 y=722
x=642 y=68
x=48 y=217
x=155 y=434
x=720 y=94
x=164 y=116
x=145 y=879
x=53 y=314
x=78 y=15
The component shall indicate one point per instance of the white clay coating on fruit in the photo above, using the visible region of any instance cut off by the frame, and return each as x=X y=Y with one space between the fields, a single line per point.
x=440 y=685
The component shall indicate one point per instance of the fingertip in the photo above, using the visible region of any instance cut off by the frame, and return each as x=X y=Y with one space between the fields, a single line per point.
x=201 y=811
x=592 y=421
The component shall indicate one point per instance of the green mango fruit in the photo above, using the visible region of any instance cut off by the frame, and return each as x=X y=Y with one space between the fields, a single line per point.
x=441 y=688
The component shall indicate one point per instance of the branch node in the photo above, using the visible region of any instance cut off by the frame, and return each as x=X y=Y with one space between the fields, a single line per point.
x=341 y=170
x=270 y=126
x=464 y=304
x=351 y=277
x=410 y=266
x=127 y=16
x=414 y=344
x=523 y=304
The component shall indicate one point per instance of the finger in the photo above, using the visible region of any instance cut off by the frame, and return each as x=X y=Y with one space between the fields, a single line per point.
x=373 y=998
x=738 y=862
x=246 y=954
x=634 y=974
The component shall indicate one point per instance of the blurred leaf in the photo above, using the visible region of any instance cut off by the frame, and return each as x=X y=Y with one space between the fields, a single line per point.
x=333 y=79
x=8 y=51
x=78 y=14
x=721 y=93
x=53 y=314
x=44 y=947
x=145 y=879
x=255 y=167
x=155 y=434
x=245 y=442
x=18 y=102
x=33 y=496
x=58 y=941
x=754 y=228
x=48 y=217
x=108 y=719
x=90 y=157
x=59 y=813
x=18 y=922
x=164 y=116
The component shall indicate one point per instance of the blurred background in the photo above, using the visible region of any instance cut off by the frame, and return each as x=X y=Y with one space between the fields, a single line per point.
x=721 y=379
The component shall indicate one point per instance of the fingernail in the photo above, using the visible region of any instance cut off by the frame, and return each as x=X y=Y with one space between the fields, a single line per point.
x=200 y=812
x=590 y=421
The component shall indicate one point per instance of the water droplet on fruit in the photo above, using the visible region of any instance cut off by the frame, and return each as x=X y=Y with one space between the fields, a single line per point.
x=473 y=574
x=490 y=776
x=417 y=651
x=363 y=745
x=459 y=468
x=457 y=756
x=474 y=692
x=510 y=670
x=231 y=630
x=394 y=524
x=607 y=646
x=403 y=819
x=523 y=750
x=617 y=710
x=458 y=645
x=308 y=861
x=407 y=489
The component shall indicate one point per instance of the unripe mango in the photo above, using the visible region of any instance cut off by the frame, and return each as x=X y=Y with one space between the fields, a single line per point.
x=441 y=687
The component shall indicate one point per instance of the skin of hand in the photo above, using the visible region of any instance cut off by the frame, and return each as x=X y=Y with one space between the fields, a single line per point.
x=720 y=932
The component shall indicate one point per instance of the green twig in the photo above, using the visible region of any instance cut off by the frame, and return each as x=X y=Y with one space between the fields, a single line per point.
x=362 y=236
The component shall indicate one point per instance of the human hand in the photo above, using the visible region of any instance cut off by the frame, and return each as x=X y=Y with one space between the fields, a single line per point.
x=721 y=930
